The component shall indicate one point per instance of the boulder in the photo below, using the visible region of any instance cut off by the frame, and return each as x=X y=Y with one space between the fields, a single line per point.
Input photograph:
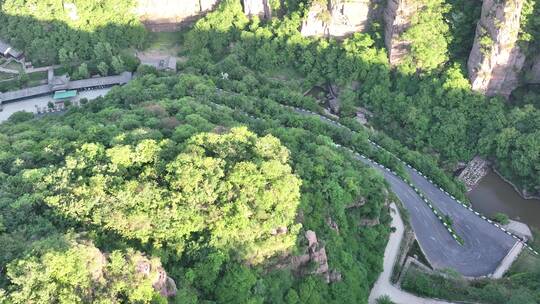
x=397 y=19
x=496 y=61
x=368 y=222
x=337 y=18
x=362 y=115
x=332 y=224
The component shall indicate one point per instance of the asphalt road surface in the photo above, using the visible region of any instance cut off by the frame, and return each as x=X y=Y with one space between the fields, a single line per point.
x=484 y=245
x=383 y=286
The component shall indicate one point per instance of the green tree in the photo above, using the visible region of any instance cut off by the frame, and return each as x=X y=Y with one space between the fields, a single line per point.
x=82 y=274
x=224 y=185
x=385 y=299
x=103 y=68
x=428 y=35
x=82 y=71
x=117 y=64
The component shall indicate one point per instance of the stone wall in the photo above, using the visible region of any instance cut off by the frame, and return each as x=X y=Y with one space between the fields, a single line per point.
x=338 y=18
x=475 y=170
x=496 y=61
x=169 y=15
x=397 y=19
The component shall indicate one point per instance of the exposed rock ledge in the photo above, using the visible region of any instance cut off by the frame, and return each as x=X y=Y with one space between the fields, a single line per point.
x=313 y=261
x=397 y=19
x=337 y=18
x=496 y=60
x=161 y=281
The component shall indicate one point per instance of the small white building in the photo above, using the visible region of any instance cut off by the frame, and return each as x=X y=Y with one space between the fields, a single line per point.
x=8 y=51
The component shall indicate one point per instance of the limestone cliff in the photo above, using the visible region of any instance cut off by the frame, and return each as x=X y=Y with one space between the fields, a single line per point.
x=496 y=60
x=259 y=8
x=169 y=15
x=397 y=19
x=337 y=18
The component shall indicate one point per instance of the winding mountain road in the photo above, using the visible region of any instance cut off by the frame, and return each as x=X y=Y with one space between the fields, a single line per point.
x=484 y=244
x=383 y=286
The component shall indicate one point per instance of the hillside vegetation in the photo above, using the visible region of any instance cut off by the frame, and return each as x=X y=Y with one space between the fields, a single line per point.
x=156 y=167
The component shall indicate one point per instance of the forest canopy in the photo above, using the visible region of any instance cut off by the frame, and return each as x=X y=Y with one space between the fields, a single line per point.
x=231 y=192
x=160 y=147
x=51 y=31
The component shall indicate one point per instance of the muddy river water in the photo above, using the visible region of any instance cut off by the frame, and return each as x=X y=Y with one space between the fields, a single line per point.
x=494 y=195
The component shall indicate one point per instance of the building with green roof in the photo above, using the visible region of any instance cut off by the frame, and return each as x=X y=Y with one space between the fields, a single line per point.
x=64 y=95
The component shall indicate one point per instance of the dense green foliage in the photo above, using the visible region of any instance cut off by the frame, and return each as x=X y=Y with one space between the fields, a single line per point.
x=71 y=32
x=80 y=273
x=166 y=168
x=428 y=54
x=436 y=114
x=224 y=191
x=521 y=288
x=115 y=126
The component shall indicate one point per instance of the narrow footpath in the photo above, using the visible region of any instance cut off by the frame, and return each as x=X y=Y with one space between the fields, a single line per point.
x=383 y=286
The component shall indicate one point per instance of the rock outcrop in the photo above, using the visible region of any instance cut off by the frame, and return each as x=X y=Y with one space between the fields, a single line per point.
x=496 y=60
x=160 y=280
x=397 y=19
x=337 y=18
x=259 y=8
x=313 y=261
x=169 y=15
x=475 y=170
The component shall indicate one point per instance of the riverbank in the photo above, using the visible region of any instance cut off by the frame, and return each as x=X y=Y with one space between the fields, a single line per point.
x=493 y=195
x=516 y=188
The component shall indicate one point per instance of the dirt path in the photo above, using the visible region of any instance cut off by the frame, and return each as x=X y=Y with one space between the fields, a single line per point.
x=383 y=286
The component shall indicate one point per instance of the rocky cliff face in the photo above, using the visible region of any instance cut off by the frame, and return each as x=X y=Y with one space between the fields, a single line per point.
x=161 y=282
x=397 y=19
x=313 y=261
x=169 y=15
x=259 y=8
x=496 y=61
x=338 y=18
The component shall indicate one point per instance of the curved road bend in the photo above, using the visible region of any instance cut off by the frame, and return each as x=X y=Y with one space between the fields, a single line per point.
x=383 y=286
x=485 y=245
